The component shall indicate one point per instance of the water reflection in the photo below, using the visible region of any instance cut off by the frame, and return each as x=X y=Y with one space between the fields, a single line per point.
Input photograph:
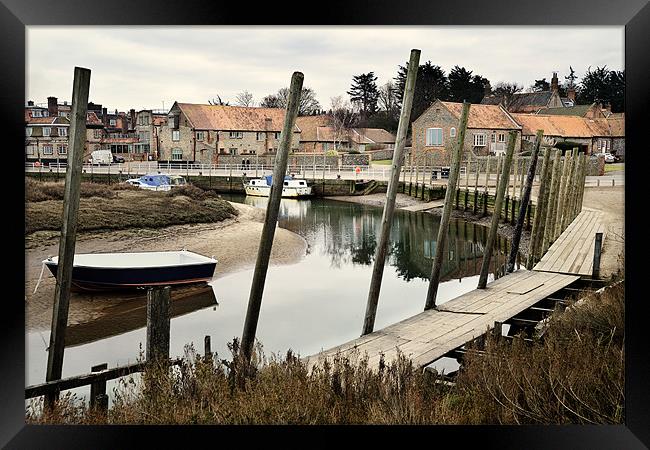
x=348 y=233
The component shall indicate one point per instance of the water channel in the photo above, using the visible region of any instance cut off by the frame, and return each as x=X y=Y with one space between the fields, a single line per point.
x=314 y=304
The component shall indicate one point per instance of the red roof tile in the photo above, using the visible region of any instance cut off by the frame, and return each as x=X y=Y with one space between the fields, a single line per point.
x=233 y=118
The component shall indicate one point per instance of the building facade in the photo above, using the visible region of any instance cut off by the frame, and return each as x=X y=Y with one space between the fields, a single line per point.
x=202 y=133
x=434 y=132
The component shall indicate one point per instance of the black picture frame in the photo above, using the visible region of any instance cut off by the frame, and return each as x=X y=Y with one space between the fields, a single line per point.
x=15 y=15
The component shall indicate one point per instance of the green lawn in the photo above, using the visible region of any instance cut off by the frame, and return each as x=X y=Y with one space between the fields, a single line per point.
x=382 y=162
x=614 y=167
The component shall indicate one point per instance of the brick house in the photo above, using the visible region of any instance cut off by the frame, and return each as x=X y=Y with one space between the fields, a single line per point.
x=317 y=135
x=434 y=132
x=201 y=133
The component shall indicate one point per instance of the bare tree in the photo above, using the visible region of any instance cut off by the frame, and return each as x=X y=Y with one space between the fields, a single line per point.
x=244 y=98
x=340 y=119
x=308 y=103
x=507 y=90
x=218 y=101
x=388 y=98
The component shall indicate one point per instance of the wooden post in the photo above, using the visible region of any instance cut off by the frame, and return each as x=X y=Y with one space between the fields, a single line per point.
x=271 y=218
x=207 y=349
x=524 y=204
x=158 y=322
x=478 y=170
x=434 y=280
x=98 y=397
x=567 y=192
x=514 y=178
x=561 y=195
x=575 y=186
x=496 y=182
x=552 y=201
x=67 y=241
x=540 y=210
x=487 y=173
x=389 y=207
x=500 y=192
x=582 y=183
x=595 y=273
x=505 y=209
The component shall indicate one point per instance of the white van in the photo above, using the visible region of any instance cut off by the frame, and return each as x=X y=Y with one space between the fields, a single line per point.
x=101 y=157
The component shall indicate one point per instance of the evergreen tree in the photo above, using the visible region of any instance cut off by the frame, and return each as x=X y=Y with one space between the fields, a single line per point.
x=603 y=86
x=364 y=93
x=430 y=85
x=465 y=87
x=541 y=86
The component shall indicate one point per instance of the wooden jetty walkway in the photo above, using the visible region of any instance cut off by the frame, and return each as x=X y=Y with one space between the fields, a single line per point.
x=573 y=251
x=432 y=334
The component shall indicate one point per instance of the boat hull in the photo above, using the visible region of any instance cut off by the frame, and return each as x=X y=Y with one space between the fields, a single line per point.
x=108 y=278
x=287 y=192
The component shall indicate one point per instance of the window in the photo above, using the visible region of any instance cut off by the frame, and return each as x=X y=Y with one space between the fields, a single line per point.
x=479 y=140
x=143 y=136
x=434 y=137
x=233 y=151
x=222 y=151
x=37 y=113
x=603 y=145
x=199 y=135
x=277 y=134
x=143 y=119
x=260 y=135
x=46 y=131
x=32 y=149
x=97 y=134
x=501 y=137
x=28 y=131
x=493 y=138
x=236 y=135
x=47 y=150
x=452 y=132
x=112 y=122
x=177 y=154
x=63 y=131
x=63 y=149
x=176 y=135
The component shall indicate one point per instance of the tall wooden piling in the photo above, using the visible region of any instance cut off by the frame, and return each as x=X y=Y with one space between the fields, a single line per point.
x=487 y=173
x=552 y=201
x=567 y=193
x=271 y=218
x=478 y=170
x=500 y=193
x=582 y=183
x=389 y=207
x=598 y=245
x=67 y=241
x=457 y=154
x=158 y=322
x=524 y=206
x=557 y=228
x=540 y=212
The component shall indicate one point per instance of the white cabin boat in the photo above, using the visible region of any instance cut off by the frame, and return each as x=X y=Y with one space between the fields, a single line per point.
x=292 y=188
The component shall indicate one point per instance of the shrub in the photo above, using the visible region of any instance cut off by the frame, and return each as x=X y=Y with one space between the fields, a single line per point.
x=192 y=192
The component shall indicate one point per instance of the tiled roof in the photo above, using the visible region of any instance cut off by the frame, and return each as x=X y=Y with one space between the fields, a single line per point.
x=569 y=126
x=377 y=135
x=233 y=118
x=529 y=101
x=578 y=110
x=159 y=120
x=92 y=119
x=484 y=116
x=492 y=100
x=309 y=126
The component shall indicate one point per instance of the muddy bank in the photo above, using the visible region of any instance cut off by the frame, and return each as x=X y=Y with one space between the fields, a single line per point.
x=234 y=242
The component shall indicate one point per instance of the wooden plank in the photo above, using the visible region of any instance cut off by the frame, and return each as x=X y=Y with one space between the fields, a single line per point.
x=577 y=242
x=562 y=246
x=525 y=288
x=582 y=248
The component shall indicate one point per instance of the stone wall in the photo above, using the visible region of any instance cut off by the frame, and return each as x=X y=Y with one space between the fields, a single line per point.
x=378 y=155
x=354 y=159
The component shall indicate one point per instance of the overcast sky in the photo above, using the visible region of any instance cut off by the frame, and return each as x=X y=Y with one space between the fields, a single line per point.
x=142 y=67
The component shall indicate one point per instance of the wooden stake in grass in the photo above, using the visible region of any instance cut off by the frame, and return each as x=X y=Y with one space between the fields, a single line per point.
x=524 y=203
x=500 y=193
x=389 y=207
x=67 y=241
x=434 y=280
x=271 y=218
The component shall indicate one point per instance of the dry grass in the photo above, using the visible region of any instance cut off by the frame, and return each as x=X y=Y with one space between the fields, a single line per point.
x=573 y=375
x=103 y=207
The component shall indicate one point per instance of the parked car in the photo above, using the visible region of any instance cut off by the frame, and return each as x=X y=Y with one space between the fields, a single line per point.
x=101 y=157
x=118 y=159
x=609 y=158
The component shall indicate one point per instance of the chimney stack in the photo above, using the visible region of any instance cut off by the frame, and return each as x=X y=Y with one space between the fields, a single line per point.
x=132 y=112
x=571 y=94
x=30 y=102
x=554 y=83
x=52 y=106
x=104 y=112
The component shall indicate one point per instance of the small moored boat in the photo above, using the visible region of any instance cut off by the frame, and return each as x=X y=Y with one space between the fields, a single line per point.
x=292 y=188
x=100 y=271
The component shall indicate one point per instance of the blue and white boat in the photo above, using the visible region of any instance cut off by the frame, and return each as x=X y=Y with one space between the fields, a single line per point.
x=102 y=271
x=292 y=188
x=157 y=182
